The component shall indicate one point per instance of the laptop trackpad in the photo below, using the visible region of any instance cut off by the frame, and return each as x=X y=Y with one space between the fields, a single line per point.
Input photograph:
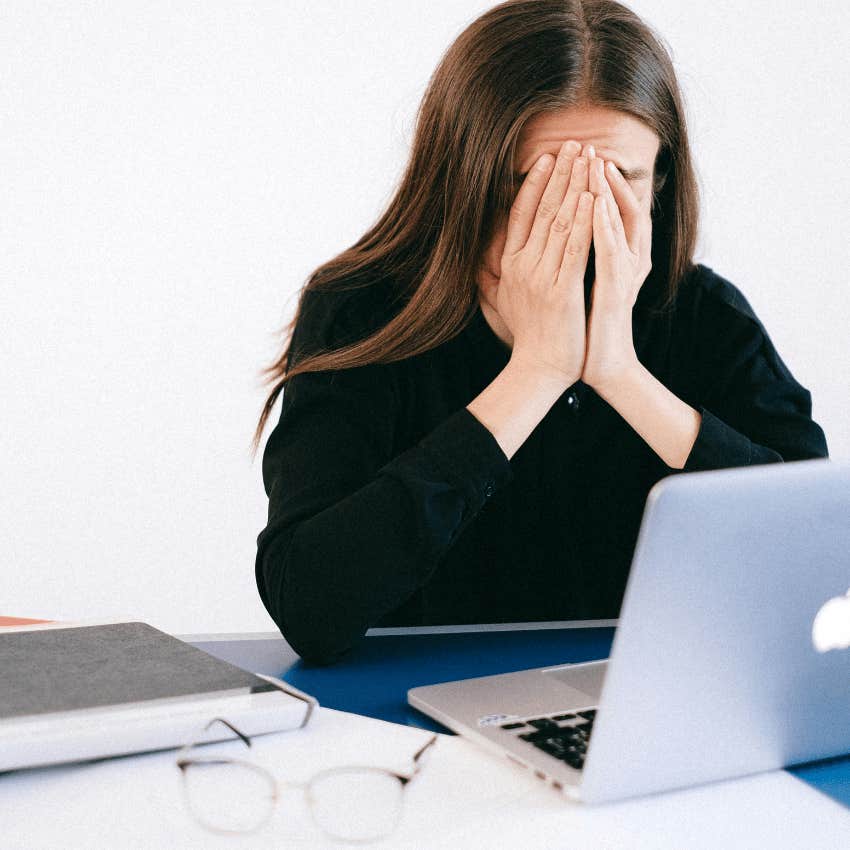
x=587 y=678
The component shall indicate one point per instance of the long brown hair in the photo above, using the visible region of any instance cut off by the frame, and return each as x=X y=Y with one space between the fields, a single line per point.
x=516 y=60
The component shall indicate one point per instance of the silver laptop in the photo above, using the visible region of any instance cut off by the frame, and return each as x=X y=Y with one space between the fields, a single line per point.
x=731 y=656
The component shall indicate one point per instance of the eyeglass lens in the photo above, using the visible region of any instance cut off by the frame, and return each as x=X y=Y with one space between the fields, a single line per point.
x=228 y=795
x=356 y=804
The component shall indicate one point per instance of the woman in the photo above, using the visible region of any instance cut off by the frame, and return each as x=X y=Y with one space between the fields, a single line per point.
x=481 y=391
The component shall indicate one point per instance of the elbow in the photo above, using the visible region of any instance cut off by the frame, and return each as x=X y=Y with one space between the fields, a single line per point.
x=313 y=631
x=307 y=625
x=316 y=653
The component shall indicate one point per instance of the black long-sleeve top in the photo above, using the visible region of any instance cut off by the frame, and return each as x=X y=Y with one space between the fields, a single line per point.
x=391 y=504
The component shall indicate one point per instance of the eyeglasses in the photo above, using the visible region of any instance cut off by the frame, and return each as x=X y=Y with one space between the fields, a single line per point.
x=353 y=803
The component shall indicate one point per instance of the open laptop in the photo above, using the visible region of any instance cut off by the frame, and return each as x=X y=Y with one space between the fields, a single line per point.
x=731 y=656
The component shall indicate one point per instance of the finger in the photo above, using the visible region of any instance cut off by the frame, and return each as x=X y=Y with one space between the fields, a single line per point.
x=578 y=245
x=594 y=171
x=628 y=206
x=561 y=227
x=553 y=198
x=603 y=238
x=644 y=239
x=613 y=210
x=645 y=246
x=525 y=204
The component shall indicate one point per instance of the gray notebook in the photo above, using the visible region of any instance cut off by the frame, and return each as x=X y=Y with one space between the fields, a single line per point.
x=73 y=691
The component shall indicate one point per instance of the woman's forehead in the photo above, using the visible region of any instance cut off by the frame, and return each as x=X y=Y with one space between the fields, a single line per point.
x=615 y=135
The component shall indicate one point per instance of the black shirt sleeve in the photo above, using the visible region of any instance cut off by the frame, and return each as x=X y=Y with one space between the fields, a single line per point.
x=353 y=531
x=753 y=409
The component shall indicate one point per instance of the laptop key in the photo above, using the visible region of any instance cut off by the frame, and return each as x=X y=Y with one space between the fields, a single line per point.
x=567 y=734
x=534 y=736
x=544 y=723
x=551 y=746
x=589 y=714
x=564 y=717
x=513 y=725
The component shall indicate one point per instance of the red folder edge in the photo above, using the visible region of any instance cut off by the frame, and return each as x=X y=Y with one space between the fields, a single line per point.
x=21 y=621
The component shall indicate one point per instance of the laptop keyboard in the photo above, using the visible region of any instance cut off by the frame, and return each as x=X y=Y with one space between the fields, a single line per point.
x=563 y=736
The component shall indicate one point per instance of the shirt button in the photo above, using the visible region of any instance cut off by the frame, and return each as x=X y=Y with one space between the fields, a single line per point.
x=489 y=490
x=572 y=401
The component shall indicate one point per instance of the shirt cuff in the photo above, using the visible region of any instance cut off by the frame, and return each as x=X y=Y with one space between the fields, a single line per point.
x=467 y=454
x=719 y=446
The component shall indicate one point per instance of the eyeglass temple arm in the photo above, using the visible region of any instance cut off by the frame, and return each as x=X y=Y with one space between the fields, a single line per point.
x=312 y=702
x=417 y=766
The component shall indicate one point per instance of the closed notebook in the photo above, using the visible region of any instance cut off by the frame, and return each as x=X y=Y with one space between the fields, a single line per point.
x=78 y=691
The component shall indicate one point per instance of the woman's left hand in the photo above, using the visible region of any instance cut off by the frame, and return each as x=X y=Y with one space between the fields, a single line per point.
x=622 y=240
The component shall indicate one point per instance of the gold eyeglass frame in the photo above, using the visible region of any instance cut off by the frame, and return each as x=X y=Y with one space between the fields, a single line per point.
x=183 y=761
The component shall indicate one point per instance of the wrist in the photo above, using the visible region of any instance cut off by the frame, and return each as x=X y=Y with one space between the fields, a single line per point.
x=541 y=373
x=615 y=384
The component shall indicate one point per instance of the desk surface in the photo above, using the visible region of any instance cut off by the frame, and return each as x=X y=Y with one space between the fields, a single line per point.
x=374 y=679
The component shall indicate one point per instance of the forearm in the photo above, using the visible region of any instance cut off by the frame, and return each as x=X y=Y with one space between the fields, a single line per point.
x=342 y=569
x=515 y=402
x=669 y=425
x=330 y=575
x=327 y=574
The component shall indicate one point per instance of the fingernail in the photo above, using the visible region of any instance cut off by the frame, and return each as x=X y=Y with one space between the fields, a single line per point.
x=591 y=151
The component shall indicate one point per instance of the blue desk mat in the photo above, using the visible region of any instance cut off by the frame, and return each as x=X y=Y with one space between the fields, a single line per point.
x=373 y=678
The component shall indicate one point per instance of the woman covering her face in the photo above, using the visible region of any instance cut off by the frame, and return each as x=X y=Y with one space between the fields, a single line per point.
x=481 y=391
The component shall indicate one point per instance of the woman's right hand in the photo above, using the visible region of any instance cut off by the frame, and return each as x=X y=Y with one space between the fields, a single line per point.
x=540 y=295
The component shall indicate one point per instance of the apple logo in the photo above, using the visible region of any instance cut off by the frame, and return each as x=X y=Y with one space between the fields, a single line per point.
x=831 y=627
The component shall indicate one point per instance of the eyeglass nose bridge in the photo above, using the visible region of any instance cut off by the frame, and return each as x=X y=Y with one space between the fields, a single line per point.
x=285 y=784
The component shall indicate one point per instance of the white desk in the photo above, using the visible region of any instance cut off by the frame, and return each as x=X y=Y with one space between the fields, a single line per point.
x=465 y=797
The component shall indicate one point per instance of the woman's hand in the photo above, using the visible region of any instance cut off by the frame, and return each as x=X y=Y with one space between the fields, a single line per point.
x=540 y=293
x=622 y=242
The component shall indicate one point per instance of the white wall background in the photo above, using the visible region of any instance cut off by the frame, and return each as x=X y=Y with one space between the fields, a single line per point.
x=170 y=173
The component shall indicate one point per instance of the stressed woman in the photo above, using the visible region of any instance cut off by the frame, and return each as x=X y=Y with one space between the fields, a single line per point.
x=482 y=390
